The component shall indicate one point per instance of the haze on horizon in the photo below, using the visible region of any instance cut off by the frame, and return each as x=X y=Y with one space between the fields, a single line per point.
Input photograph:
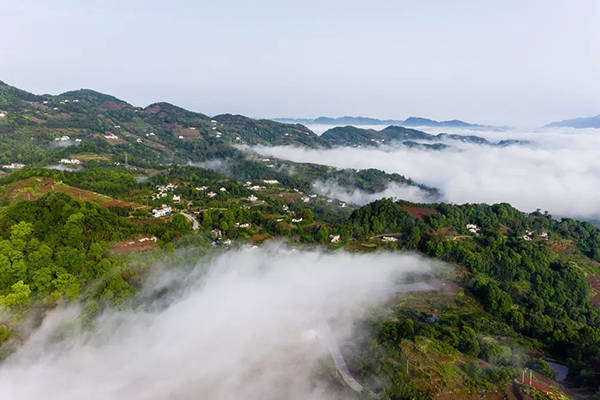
x=516 y=63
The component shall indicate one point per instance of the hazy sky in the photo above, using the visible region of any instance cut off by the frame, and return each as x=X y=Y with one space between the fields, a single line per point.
x=510 y=62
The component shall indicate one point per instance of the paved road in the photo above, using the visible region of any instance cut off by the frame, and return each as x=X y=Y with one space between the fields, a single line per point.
x=340 y=364
x=194 y=221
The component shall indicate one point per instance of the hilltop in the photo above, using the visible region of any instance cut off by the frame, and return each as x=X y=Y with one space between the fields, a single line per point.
x=585 y=122
x=410 y=121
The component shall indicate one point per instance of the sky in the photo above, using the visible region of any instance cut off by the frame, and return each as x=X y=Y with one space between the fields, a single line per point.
x=515 y=62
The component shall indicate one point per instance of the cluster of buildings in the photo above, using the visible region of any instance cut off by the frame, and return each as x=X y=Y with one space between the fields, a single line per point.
x=529 y=235
x=163 y=211
x=163 y=191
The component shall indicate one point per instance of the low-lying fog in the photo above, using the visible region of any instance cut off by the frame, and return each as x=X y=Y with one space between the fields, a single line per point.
x=247 y=324
x=558 y=171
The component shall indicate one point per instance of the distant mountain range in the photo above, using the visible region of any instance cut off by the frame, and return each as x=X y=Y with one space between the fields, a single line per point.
x=411 y=121
x=353 y=136
x=585 y=122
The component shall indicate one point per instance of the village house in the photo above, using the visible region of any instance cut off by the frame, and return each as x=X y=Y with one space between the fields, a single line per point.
x=70 y=161
x=211 y=195
x=473 y=228
x=176 y=198
x=14 y=166
x=389 y=239
x=252 y=198
x=297 y=219
x=334 y=238
x=201 y=188
x=163 y=211
x=271 y=181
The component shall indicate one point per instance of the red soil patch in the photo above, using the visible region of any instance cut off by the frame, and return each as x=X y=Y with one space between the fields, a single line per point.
x=289 y=196
x=133 y=245
x=561 y=246
x=418 y=212
x=112 y=106
x=152 y=110
x=49 y=185
x=594 y=282
x=259 y=238
x=445 y=286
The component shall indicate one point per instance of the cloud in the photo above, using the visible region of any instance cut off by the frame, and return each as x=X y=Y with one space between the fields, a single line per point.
x=332 y=188
x=558 y=171
x=250 y=323
x=218 y=165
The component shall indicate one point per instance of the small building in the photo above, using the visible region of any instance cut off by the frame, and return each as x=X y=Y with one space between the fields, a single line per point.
x=163 y=211
x=271 y=181
x=334 y=238
x=176 y=198
x=70 y=161
x=473 y=228
x=297 y=219
x=389 y=239
x=14 y=166
x=252 y=198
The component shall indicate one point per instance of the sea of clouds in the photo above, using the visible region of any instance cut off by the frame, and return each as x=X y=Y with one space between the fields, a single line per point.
x=249 y=323
x=558 y=170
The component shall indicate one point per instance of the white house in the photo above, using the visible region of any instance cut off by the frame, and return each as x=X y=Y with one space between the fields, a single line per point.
x=334 y=238
x=163 y=211
x=222 y=189
x=211 y=195
x=176 y=198
x=297 y=219
x=389 y=239
x=14 y=166
x=252 y=198
x=271 y=181
x=71 y=161
x=472 y=228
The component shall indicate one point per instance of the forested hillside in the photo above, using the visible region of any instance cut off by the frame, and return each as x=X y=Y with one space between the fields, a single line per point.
x=97 y=192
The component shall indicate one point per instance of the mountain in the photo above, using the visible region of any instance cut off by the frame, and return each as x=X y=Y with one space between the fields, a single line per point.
x=353 y=136
x=411 y=121
x=519 y=288
x=97 y=128
x=586 y=122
